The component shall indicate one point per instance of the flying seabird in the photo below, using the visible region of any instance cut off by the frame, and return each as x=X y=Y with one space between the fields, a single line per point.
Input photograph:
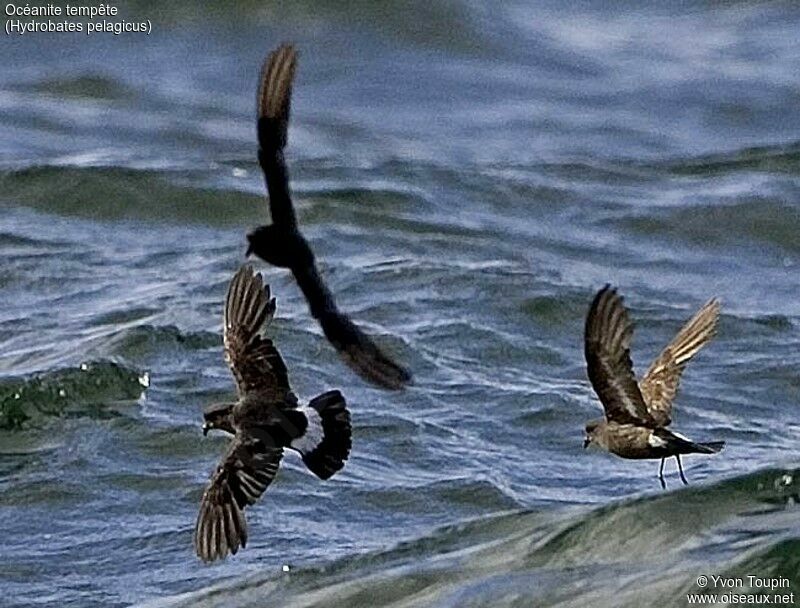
x=264 y=420
x=282 y=244
x=637 y=414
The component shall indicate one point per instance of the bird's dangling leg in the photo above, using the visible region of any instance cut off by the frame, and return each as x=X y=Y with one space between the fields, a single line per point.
x=680 y=469
x=661 y=475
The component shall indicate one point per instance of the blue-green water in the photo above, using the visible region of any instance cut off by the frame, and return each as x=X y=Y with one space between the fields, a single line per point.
x=469 y=177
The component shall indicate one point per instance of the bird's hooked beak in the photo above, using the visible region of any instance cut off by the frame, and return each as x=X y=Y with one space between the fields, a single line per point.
x=586 y=442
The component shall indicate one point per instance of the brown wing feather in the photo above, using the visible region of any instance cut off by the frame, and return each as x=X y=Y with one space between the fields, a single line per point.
x=607 y=347
x=273 y=106
x=255 y=363
x=275 y=90
x=660 y=383
x=244 y=473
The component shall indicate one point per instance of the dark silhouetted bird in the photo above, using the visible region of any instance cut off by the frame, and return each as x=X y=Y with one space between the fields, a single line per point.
x=281 y=243
x=637 y=414
x=264 y=420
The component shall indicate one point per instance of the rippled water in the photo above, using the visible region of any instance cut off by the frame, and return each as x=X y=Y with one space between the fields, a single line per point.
x=468 y=177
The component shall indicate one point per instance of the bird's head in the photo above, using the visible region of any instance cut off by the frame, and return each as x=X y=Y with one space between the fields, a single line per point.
x=279 y=245
x=592 y=429
x=262 y=242
x=218 y=416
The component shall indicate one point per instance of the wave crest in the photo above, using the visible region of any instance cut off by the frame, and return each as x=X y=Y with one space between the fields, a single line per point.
x=51 y=394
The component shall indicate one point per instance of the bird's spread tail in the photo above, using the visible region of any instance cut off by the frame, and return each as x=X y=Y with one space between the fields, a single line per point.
x=326 y=443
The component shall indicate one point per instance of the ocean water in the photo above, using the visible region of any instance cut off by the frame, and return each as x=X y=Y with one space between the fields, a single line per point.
x=469 y=175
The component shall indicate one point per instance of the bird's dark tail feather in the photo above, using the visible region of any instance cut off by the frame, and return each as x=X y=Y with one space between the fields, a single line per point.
x=677 y=444
x=712 y=447
x=328 y=456
x=681 y=445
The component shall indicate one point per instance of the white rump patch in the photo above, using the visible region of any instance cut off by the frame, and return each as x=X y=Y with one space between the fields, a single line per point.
x=655 y=442
x=314 y=434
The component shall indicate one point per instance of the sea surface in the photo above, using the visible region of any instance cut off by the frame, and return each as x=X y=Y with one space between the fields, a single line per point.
x=469 y=175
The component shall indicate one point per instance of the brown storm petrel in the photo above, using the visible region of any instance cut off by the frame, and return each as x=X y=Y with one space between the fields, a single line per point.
x=264 y=420
x=637 y=414
x=281 y=243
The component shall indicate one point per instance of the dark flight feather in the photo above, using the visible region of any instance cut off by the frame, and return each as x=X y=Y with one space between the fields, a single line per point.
x=255 y=363
x=246 y=470
x=607 y=347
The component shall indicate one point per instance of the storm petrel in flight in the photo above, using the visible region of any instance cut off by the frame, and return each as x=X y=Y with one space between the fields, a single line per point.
x=637 y=414
x=264 y=420
x=282 y=244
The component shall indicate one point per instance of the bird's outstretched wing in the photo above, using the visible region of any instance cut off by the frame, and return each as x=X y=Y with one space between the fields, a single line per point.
x=255 y=363
x=607 y=347
x=660 y=383
x=244 y=473
x=273 y=104
x=355 y=347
